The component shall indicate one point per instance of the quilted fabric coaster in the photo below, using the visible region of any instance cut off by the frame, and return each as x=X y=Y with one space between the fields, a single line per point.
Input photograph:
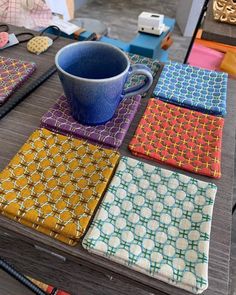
x=156 y=222
x=153 y=65
x=13 y=73
x=112 y=133
x=193 y=88
x=180 y=137
x=54 y=183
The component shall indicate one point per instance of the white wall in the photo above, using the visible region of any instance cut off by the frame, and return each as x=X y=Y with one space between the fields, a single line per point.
x=187 y=15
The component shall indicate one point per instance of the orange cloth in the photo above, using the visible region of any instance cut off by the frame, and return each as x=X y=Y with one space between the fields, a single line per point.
x=179 y=137
x=214 y=45
x=228 y=63
x=54 y=183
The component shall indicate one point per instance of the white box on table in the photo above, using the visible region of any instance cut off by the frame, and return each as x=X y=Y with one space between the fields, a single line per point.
x=152 y=23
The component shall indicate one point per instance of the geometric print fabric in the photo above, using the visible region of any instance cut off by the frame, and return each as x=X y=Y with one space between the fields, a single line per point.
x=39 y=44
x=112 y=133
x=179 y=137
x=193 y=88
x=54 y=183
x=153 y=65
x=13 y=73
x=156 y=222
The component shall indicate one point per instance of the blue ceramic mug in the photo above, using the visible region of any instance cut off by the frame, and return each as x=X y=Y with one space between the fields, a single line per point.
x=93 y=75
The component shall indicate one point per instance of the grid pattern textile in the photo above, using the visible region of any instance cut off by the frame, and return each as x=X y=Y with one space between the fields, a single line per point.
x=112 y=133
x=33 y=14
x=152 y=64
x=54 y=183
x=13 y=73
x=157 y=222
x=179 y=137
x=193 y=88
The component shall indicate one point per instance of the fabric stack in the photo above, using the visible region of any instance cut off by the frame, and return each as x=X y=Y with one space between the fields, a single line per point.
x=112 y=133
x=157 y=222
x=54 y=183
x=193 y=88
x=13 y=73
x=179 y=137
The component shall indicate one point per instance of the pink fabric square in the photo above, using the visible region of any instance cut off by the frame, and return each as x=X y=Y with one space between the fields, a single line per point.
x=205 y=58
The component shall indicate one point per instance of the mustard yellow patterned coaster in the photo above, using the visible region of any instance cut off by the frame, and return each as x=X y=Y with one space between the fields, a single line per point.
x=39 y=44
x=54 y=183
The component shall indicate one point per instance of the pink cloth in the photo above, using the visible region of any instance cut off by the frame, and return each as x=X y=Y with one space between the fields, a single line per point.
x=32 y=14
x=205 y=58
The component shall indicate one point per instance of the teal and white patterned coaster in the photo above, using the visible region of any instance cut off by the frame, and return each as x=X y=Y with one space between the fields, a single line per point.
x=157 y=222
x=152 y=64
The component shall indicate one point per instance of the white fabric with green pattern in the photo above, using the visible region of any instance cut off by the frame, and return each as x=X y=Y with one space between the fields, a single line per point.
x=157 y=222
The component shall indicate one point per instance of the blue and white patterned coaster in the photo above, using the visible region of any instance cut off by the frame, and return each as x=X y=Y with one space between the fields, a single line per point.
x=193 y=88
x=157 y=222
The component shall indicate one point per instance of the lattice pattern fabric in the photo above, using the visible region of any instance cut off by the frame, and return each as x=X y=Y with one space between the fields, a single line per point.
x=156 y=222
x=13 y=73
x=33 y=14
x=153 y=65
x=112 y=133
x=54 y=184
x=180 y=137
x=193 y=88
x=39 y=44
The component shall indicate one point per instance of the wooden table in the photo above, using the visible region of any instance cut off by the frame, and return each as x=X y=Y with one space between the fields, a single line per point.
x=73 y=268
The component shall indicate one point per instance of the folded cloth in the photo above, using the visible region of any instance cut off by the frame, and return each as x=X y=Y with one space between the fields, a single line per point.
x=193 y=88
x=112 y=133
x=13 y=73
x=228 y=63
x=54 y=183
x=179 y=137
x=153 y=65
x=205 y=58
x=31 y=14
x=156 y=222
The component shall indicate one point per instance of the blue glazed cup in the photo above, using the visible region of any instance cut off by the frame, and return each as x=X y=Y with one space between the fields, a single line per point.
x=93 y=75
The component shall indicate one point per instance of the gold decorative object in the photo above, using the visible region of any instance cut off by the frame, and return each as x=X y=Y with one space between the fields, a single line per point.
x=225 y=11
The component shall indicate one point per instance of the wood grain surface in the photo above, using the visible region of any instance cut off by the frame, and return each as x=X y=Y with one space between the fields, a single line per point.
x=16 y=127
x=10 y=286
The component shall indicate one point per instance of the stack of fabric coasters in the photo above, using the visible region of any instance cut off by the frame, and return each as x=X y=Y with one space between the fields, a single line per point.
x=13 y=73
x=193 y=88
x=153 y=65
x=54 y=183
x=179 y=137
x=112 y=133
x=156 y=222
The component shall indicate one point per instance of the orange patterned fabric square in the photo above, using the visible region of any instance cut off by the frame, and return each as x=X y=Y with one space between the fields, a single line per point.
x=180 y=137
x=54 y=183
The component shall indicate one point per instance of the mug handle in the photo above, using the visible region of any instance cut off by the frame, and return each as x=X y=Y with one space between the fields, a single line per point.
x=138 y=69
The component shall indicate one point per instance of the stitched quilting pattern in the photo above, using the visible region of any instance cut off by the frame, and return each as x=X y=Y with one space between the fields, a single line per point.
x=13 y=73
x=39 y=44
x=157 y=222
x=153 y=65
x=180 y=137
x=193 y=88
x=54 y=183
x=112 y=133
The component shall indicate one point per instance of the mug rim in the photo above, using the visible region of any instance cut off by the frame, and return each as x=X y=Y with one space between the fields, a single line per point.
x=87 y=79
